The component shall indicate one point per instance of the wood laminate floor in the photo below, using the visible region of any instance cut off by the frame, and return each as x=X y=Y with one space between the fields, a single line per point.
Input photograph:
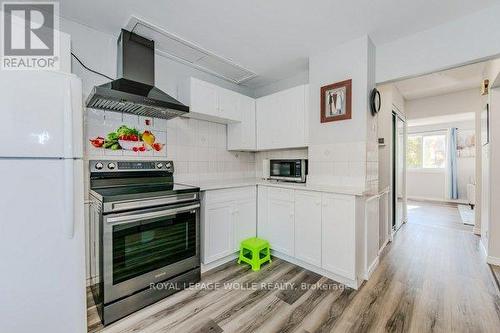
x=432 y=278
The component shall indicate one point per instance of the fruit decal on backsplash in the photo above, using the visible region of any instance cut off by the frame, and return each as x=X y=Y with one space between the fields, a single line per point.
x=127 y=138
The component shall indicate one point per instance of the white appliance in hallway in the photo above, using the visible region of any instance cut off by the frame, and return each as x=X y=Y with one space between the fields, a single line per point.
x=42 y=285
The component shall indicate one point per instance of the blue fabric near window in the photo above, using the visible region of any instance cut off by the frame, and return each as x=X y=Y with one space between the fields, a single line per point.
x=452 y=164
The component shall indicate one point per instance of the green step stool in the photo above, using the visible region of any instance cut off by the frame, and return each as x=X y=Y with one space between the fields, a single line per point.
x=255 y=251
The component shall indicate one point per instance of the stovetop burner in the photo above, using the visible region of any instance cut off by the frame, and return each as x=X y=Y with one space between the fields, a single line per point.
x=112 y=181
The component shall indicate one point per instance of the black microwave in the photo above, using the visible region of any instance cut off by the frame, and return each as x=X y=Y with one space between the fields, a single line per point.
x=291 y=170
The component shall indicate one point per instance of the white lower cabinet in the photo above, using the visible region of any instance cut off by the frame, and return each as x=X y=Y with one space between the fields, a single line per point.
x=338 y=239
x=227 y=217
x=218 y=231
x=245 y=220
x=313 y=227
x=308 y=227
x=276 y=218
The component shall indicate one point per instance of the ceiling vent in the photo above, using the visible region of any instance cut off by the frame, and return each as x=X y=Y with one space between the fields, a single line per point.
x=176 y=48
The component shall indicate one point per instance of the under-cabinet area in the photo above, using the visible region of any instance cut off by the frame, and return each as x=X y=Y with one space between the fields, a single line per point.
x=321 y=231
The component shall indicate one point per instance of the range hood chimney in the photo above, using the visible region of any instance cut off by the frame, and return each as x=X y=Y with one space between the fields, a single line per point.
x=134 y=91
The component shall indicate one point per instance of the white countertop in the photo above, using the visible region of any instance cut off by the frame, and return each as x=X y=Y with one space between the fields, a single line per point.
x=241 y=182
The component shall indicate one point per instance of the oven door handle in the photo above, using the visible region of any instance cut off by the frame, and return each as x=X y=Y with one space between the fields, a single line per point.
x=151 y=215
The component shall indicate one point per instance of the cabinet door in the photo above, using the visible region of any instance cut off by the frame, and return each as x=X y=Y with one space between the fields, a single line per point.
x=282 y=119
x=268 y=122
x=204 y=98
x=218 y=238
x=244 y=221
x=247 y=108
x=308 y=227
x=241 y=135
x=338 y=234
x=263 y=212
x=281 y=220
x=292 y=111
x=228 y=104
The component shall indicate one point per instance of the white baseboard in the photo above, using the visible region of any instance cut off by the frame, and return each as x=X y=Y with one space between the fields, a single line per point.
x=372 y=268
x=338 y=278
x=335 y=277
x=438 y=200
x=383 y=246
x=206 y=267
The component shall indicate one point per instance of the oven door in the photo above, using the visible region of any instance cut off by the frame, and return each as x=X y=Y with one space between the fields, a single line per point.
x=148 y=246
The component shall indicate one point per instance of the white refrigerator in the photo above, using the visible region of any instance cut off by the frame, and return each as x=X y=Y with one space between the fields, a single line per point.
x=42 y=240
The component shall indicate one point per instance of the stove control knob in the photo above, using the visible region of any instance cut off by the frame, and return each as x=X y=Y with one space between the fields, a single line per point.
x=159 y=165
x=99 y=166
x=111 y=166
x=168 y=165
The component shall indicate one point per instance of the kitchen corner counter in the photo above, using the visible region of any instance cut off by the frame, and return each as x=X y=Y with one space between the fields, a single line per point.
x=242 y=182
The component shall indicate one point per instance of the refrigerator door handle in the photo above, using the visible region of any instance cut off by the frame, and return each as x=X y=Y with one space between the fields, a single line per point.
x=68 y=183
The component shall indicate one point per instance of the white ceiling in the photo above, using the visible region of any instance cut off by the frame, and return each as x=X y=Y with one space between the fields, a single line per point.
x=440 y=83
x=273 y=38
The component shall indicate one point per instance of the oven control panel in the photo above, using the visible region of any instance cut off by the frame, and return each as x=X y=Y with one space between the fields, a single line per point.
x=124 y=166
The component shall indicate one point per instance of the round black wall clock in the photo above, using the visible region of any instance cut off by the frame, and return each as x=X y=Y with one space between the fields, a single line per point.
x=375 y=101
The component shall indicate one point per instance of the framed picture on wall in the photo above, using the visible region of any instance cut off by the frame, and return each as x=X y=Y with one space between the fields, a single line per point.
x=335 y=101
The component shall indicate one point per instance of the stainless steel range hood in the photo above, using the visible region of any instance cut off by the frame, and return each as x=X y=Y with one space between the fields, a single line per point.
x=134 y=91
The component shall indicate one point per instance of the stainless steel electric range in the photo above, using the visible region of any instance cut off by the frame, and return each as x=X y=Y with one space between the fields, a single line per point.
x=146 y=232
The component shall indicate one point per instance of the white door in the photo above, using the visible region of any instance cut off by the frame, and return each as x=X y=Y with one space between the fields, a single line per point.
x=204 y=98
x=338 y=235
x=218 y=231
x=43 y=275
x=244 y=221
x=281 y=225
x=38 y=108
x=308 y=226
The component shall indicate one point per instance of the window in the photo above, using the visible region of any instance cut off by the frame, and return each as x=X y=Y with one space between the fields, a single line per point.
x=426 y=151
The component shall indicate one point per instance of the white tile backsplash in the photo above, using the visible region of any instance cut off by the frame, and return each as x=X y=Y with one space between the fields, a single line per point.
x=198 y=149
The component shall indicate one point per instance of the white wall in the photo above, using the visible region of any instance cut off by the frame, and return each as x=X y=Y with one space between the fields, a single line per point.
x=338 y=150
x=431 y=184
x=299 y=153
x=465 y=101
x=470 y=38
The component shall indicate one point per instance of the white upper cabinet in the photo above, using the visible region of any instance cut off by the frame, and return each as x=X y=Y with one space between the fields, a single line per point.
x=229 y=104
x=204 y=98
x=210 y=102
x=241 y=136
x=282 y=119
